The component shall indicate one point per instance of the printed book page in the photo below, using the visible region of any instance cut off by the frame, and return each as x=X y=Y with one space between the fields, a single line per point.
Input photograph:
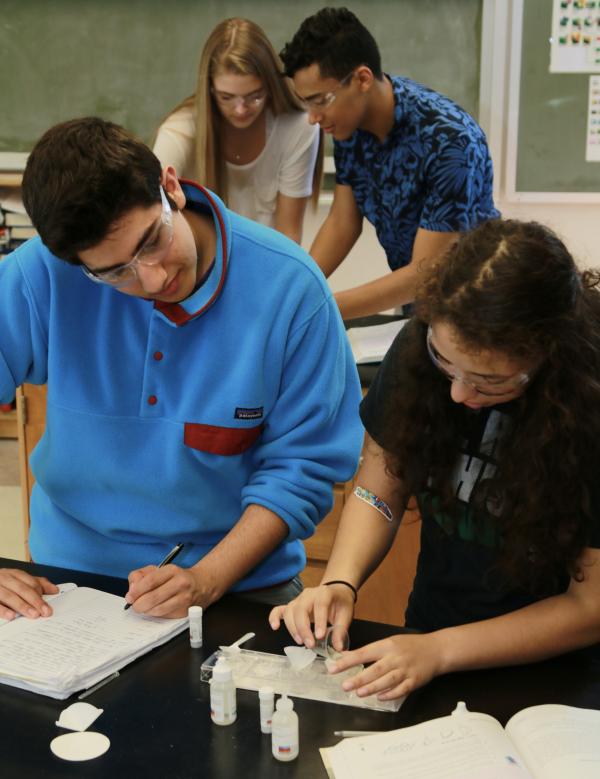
x=370 y=344
x=558 y=741
x=461 y=746
x=88 y=637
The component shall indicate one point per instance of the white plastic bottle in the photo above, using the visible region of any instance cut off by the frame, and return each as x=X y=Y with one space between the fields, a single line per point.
x=195 y=620
x=284 y=738
x=223 y=707
x=266 y=698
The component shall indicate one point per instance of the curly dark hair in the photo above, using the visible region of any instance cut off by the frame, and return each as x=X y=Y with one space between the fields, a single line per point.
x=81 y=177
x=511 y=287
x=336 y=41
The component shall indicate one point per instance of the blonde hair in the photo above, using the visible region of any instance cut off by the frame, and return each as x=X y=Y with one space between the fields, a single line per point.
x=240 y=47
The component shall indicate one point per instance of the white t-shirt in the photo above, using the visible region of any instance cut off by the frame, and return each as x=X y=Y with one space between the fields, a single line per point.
x=285 y=164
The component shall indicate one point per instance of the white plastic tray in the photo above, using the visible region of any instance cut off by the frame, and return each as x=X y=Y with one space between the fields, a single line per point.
x=253 y=670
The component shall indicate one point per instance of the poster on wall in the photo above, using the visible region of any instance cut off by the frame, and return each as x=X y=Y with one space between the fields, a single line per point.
x=592 y=146
x=575 y=36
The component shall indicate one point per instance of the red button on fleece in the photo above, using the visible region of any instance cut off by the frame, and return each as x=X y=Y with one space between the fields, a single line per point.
x=158 y=355
x=152 y=400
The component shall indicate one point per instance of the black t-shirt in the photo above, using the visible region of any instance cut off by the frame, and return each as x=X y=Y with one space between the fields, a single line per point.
x=457 y=580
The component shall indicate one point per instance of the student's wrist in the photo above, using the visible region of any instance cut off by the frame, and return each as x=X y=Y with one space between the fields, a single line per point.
x=342 y=584
x=209 y=588
x=445 y=650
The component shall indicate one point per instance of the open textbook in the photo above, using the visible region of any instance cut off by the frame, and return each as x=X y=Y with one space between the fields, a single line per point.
x=88 y=637
x=370 y=344
x=540 y=742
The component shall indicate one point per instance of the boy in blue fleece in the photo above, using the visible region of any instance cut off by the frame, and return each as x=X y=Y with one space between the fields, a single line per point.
x=200 y=384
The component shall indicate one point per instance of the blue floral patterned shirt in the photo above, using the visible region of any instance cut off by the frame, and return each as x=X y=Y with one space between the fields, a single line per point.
x=433 y=171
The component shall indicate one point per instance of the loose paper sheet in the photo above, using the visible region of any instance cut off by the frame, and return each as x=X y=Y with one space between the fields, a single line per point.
x=370 y=344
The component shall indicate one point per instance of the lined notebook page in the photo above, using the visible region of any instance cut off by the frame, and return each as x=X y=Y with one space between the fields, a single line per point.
x=88 y=636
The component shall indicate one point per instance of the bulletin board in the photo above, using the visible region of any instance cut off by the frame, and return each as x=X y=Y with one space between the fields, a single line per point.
x=550 y=113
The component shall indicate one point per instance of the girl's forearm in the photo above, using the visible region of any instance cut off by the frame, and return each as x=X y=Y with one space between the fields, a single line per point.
x=545 y=629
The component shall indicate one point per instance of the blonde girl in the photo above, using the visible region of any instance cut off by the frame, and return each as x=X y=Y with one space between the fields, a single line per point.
x=243 y=134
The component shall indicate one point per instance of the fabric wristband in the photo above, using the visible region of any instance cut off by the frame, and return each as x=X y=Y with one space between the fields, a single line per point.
x=341 y=581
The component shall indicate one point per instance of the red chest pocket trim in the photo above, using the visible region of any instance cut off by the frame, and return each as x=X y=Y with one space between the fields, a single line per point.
x=220 y=440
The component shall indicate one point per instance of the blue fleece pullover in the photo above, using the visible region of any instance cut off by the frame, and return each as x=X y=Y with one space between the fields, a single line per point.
x=165 y=421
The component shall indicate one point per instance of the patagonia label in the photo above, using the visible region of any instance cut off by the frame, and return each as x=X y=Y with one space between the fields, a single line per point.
x=248 y=413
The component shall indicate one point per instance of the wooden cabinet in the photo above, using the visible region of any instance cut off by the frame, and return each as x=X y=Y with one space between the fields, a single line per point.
x=383 y=597
x=31 y=409
x=8 y=424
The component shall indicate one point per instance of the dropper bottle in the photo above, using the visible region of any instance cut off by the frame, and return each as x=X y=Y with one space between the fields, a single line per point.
x=284 y=738
x=223 y=706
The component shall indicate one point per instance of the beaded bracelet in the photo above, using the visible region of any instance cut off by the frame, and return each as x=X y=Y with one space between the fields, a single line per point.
x=341 y=581
x=378 y=504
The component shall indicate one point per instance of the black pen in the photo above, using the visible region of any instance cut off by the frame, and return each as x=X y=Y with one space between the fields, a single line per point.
x=171 y=556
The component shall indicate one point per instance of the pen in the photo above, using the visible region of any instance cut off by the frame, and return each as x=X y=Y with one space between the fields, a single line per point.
x=352 y=733
x=100 y=684
x=171 y=556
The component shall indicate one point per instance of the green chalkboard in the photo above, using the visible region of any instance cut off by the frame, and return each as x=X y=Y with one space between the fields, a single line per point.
x=552 y=120
x=131 y=61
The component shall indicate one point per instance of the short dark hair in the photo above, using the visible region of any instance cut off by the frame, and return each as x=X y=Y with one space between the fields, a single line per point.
x=336 y=41
x=81 y=177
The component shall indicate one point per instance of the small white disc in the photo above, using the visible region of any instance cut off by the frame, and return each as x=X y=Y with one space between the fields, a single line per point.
x=80 y=746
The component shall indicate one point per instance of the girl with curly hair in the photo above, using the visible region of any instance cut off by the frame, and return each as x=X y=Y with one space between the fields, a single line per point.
x=244 y=134
x=485 y=409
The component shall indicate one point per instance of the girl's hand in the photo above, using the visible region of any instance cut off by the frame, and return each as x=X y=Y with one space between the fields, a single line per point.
x=333 y=604
x=400 y=664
